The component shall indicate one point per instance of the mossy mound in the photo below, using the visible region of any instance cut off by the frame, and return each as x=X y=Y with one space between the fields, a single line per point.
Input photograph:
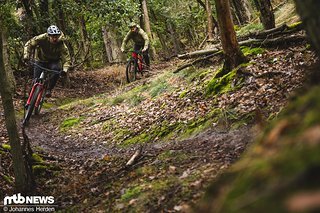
x=281 y=168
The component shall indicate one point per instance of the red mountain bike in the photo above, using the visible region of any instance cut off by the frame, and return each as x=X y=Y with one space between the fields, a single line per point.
x=37 y=94
x=135 y=66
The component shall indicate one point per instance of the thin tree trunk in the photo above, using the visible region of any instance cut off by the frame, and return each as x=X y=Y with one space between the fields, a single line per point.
x=309 y=13
x=62 y=26
x=22 y=177
x=85 y=43
x=266 y=13
x=44 y=15
x=6 y=59
x=232 y=52
x=174 y=39
x=27 y=19
x=159 y=34
x=241 y=11
x=147 y=26
x=111 y=45
x=210 y=24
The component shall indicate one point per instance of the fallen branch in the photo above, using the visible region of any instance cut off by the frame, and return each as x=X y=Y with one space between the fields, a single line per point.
x=219 y=52
x=273 y=42
x=250 y=42
x=134 y=157
x=271 y=37
x=200 y=53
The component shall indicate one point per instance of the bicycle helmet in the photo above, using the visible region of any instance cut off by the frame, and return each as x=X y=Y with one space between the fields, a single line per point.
x=53 y=30
x=132 y=24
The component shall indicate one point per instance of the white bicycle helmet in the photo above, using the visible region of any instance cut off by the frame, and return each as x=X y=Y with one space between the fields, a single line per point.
x=53 y=30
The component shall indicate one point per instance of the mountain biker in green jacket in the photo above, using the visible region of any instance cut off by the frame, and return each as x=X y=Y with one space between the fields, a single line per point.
x=49 y=51
x=140 y=39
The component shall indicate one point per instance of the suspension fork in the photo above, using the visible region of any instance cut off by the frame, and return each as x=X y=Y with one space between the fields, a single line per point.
x=32 y=92
x=42 y=90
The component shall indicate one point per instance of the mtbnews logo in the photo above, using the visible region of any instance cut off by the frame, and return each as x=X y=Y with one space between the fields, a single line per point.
x=19 y=199
x=20 y=203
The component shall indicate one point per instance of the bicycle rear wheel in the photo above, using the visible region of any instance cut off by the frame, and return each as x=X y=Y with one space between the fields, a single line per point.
x=131 y=71
x=30 y=108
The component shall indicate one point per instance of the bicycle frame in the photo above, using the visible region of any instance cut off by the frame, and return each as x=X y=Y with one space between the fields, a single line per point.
x=42 y=86
x=37 y=93
x=138 y=57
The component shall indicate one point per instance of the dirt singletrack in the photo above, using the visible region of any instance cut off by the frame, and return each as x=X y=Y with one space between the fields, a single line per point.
x=90 y=174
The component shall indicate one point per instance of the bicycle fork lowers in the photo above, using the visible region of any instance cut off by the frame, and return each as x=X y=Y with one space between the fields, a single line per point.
x=35 y=99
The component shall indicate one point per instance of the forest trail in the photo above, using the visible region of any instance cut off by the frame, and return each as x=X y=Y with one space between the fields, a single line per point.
x=86 y=167
x=212 y=150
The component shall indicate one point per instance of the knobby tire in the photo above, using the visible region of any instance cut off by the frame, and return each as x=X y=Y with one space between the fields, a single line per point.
x=131 y=71
x=39 y=107
x=31 y=105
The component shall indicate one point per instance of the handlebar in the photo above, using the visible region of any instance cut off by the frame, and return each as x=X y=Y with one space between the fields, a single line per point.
x=43 y=68
x=133 y=51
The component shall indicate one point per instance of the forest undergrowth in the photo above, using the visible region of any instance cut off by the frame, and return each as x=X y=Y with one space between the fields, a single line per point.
x=186 y=128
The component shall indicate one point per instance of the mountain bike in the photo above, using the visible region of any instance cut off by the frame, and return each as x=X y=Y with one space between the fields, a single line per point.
x=38 y=92
x=135 y=66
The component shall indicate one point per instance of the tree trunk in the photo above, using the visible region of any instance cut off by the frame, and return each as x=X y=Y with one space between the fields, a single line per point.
x=266 y=13
x=44 y=11
x=309 y=13
x=159 y=34
x=62 y=26
x=232 y=52
x=85 y=43
x=147 y=27
x=210 y=24
x=211 y=21
x=23 y=182
x=27 y=20
x=242 y=11
x=6 y=59
x=111 y=45
x=176 y=44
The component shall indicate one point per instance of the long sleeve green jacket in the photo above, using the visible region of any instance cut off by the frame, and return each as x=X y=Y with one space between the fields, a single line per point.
x=140 y=38
x=45 y=51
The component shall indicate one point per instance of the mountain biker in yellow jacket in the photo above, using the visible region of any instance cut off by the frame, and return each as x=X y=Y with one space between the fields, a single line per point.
x=140 y=39
x=49 y=51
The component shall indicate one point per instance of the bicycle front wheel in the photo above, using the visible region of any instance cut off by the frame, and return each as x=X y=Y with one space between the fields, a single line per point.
x=39 y=107
x=131 y=71
x=30 y=108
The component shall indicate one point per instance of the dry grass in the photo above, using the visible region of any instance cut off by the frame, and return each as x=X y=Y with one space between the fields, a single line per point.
x=286 y=14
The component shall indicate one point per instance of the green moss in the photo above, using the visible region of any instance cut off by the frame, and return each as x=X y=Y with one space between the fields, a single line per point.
x=294 y=25
x=6 y=147
x=47 y=105
x=158 y=89
x=119 y=133
x=39 y=169
x=131 y=193
x=247 y=51
x=173 y=156
x=138 y=139
x=226 y=83
x=222 y=84
x=249 y=28
x=146 y=170
x=183 y=94
x=136 y=99
x=276 y=168
x=70 y=122
x=162 y=185
x=37 y=158
x=8 y=179
x=117 y=100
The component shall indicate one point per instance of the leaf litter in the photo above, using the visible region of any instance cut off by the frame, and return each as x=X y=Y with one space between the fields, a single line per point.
x=170 y=175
